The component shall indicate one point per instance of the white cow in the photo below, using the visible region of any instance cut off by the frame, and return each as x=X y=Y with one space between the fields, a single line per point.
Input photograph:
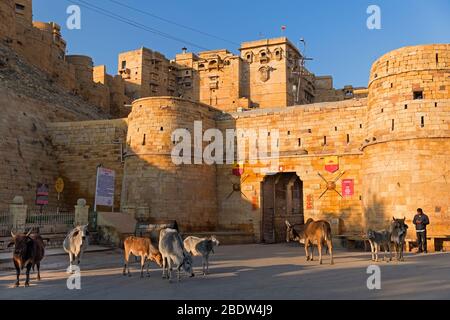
x=75 y=244
x=174 y=254
x=201 y=247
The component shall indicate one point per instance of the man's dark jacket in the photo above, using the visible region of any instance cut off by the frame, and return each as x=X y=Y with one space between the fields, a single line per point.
x=421 y=221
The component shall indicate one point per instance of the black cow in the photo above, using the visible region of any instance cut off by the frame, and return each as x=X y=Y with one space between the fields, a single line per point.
x=28 y=252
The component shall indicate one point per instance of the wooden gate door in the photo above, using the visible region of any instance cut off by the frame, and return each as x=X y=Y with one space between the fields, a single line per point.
x=268 y=225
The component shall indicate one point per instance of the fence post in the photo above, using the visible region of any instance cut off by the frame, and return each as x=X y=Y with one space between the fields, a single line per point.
x=81 y=213
x=18 y=211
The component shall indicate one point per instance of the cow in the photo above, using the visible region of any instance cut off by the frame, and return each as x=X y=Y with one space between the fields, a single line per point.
x=28 y=253
x=75 y=244
x=140 y=247
x=201 y=247
x=312 y=232
x=378 y=239
x=174 y=254
x=398 y=230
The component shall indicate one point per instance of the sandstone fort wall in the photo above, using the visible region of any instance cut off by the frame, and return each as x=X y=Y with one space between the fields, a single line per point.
x=302 y=150
x=82 y=146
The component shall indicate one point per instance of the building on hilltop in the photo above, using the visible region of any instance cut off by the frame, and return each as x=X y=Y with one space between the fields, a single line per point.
x=267 y=72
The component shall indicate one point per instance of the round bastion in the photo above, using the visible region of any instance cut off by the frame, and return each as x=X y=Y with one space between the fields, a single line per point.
x=185 y=192
x=406 y=148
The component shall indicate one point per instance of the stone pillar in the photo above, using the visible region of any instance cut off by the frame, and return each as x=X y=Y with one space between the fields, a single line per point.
x=18 y=211
x=81 y=213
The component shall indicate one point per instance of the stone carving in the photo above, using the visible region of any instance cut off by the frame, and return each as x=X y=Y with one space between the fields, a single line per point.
x=264 y=73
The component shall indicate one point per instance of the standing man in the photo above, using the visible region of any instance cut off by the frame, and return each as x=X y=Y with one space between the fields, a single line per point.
x=421 y=221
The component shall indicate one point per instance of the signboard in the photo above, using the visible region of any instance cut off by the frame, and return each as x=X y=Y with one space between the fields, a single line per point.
x=348 y=187
x=104 y=190
x=238 y=169
x=59 y=185
x=41 y=194
x=331 y=163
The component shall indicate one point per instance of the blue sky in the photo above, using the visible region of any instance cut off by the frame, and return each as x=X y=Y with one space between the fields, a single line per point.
x=335 y=31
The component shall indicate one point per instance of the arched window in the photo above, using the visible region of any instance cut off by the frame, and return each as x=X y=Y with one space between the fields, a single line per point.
x=249 y=57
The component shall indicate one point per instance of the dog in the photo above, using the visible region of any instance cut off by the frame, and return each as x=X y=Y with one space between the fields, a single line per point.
x=378 y=239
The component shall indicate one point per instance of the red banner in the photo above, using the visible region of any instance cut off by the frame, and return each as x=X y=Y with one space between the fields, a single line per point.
x=309 y=202
x=41 y=194
x=348 y=187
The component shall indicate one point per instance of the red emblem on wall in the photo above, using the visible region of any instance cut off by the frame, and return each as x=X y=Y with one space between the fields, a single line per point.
x=331 y=164
x=238 y=169
x=348 y=187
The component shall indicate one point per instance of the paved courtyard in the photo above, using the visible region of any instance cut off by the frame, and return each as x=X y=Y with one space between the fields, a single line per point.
x=242 y=272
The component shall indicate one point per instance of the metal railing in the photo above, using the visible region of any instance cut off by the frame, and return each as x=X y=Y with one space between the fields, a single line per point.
x=49 y=220
x=6 y=222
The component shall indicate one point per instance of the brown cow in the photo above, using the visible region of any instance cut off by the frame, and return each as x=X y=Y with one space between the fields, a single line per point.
x=144 y=248
x=311 y=233
x=28 y=253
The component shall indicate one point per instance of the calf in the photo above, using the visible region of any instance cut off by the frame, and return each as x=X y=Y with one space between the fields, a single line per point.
x=28 y=253
x=174 y=253
x=75 y=244
x=378 y=239
x=141 y=247
x=201 y=247
x=312 y=232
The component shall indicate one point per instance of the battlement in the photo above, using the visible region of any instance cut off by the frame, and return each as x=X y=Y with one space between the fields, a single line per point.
x=411 y=59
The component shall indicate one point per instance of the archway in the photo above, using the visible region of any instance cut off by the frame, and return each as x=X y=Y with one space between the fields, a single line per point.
x=282 y=199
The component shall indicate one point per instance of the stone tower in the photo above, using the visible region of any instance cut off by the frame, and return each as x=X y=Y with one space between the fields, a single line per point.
x=24 y=13
x=7 y=20
x=185 y=192
x=220 y=82
x=407 y=145
x=147 y=73
x=84 y=67
x=271 y=72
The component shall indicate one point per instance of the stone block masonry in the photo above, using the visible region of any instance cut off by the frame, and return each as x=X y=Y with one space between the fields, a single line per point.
x=80 y=147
